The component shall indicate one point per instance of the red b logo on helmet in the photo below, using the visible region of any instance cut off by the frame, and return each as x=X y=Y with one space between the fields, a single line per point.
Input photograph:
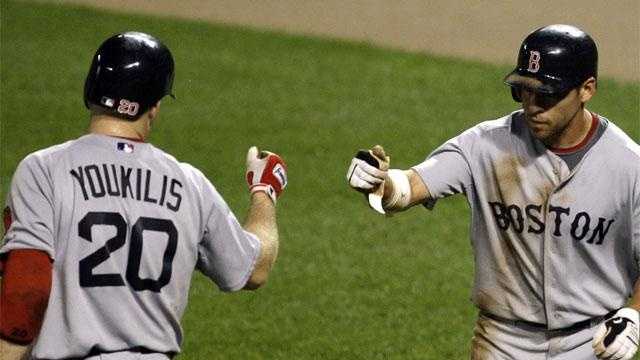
x=534 y=62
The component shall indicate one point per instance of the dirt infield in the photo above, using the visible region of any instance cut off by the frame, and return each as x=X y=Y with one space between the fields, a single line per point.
x=483 y=30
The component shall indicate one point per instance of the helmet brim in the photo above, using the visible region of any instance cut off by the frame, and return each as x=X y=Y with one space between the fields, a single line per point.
x=514 y=79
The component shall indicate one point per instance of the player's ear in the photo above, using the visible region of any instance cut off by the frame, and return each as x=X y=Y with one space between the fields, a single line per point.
x=587 y=89
x=153 y=112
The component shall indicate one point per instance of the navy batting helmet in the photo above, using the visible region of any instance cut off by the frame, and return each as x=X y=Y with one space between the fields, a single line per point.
x=129 y=74
x=560 y=57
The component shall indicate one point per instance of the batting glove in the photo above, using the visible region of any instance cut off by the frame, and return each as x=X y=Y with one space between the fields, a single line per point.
x=367 y=171
x=266 y=172
x=617 y=337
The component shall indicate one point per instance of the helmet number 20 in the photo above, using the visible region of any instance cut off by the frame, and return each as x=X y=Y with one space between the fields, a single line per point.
x=87 y=264
x=128 y=107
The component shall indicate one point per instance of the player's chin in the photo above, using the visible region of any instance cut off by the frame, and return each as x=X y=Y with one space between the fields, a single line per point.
x=538 y=129
x=542 y=133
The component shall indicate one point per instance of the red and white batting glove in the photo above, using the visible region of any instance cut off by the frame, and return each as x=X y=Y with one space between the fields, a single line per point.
x=266 y=172
x=617 y=337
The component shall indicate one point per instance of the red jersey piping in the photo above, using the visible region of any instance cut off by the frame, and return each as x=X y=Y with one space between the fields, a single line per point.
x=592 y=130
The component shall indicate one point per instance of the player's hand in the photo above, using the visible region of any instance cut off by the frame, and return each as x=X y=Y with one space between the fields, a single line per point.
x=266 y=172
x=368 y=169
x=617 y=337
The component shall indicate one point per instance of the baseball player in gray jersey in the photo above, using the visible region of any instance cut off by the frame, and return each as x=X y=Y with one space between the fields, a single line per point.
x=105 y=231
x=554 y=191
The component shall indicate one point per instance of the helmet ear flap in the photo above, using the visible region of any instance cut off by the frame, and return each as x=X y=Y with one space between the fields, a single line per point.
x=516 y=93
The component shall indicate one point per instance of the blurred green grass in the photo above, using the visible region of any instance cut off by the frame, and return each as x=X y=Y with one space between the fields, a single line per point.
x=348 y=284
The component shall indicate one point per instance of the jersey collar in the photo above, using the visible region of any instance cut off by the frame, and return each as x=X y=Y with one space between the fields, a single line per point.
x=595 y=121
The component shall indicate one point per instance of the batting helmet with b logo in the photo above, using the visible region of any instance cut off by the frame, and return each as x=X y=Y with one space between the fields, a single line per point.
x=560 y=57
x=129 y=74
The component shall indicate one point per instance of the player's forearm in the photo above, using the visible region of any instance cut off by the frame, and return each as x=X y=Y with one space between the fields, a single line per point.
x=261 y=221
x=11 y=351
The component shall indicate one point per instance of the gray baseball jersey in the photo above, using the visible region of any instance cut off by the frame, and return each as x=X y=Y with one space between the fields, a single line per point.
x=126 y=225
x=551 y=245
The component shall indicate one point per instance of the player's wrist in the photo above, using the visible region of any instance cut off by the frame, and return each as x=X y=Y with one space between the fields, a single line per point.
x=398 y=195
x=265 y=189
x=11 y=350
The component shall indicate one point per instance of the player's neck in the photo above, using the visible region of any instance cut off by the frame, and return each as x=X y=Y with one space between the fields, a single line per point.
x=111 y=126
x=575 y=132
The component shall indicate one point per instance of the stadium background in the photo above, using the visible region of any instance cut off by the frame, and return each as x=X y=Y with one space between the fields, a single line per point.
x=348 y=284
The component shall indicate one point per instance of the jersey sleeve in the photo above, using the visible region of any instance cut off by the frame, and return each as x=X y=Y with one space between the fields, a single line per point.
x=30 y=206
x=445 y=171
x=227 y=253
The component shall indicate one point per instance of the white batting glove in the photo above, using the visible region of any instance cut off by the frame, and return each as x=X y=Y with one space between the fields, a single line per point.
x=266 y=172
x=367 y=171
x=617 y=338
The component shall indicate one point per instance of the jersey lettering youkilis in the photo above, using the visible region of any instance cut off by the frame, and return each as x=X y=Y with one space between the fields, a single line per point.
x=540 y=227
x=99 y=180
x=126 y=224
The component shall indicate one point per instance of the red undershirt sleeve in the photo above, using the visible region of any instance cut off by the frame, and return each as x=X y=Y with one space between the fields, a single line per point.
x=24 y=294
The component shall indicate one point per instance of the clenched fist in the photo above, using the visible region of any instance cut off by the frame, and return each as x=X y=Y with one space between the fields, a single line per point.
x=367 y=173
x=617 y=337
x=266 y=172
x=368 y=169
